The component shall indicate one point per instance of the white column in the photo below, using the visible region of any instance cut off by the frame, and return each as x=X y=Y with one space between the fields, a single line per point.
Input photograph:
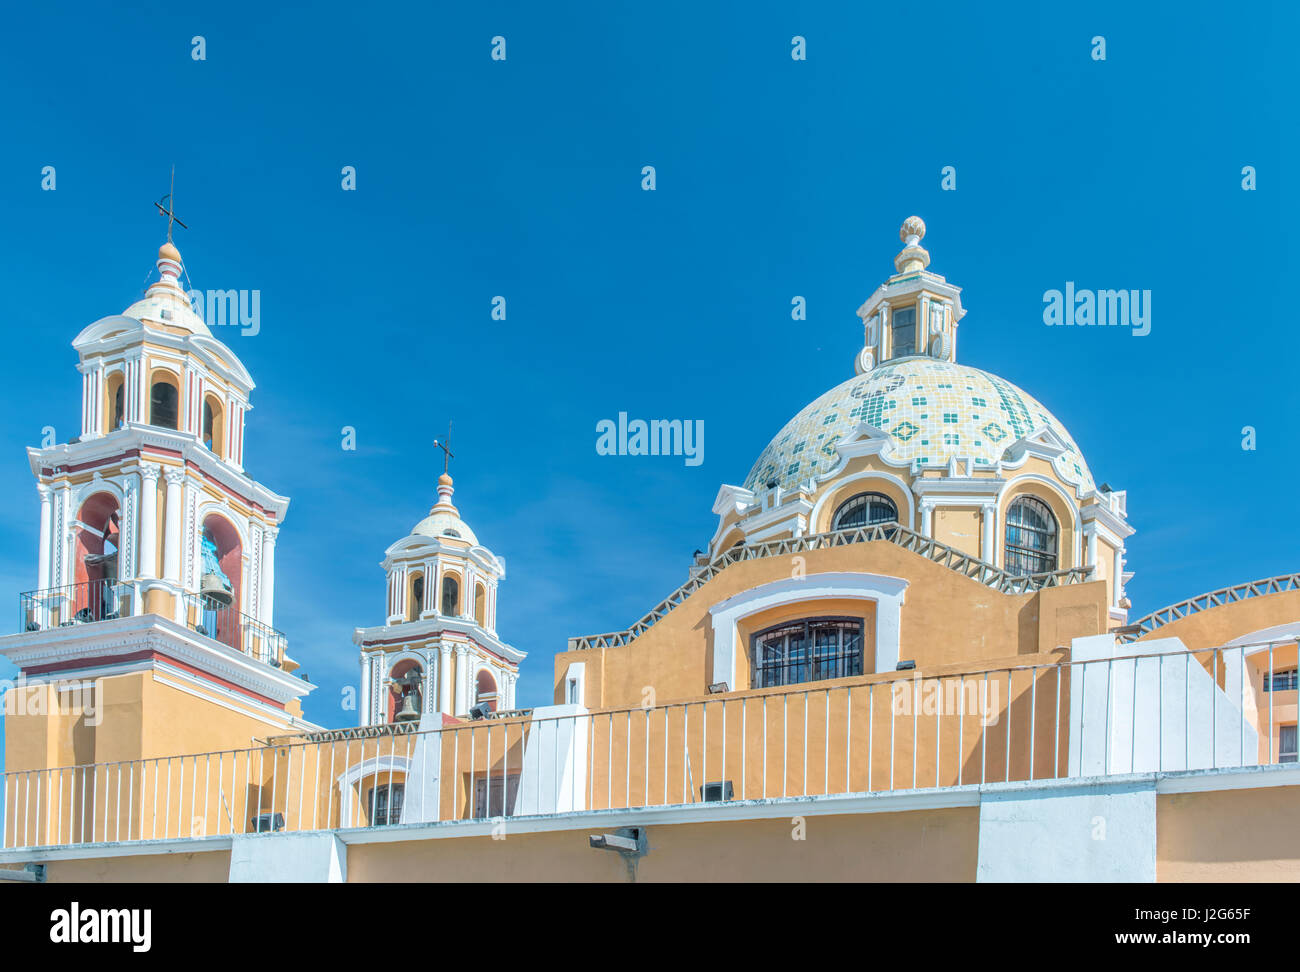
x=462 y=680
x=43 y=552
x=445 y=676
x=988 y=533
x=148 y=532
x=1090 y=538
x=266 y=598
x=172 y=532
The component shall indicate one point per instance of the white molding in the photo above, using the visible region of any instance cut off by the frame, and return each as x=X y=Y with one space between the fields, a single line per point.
x=814 y=518
x=428 y=628
x=887 y=592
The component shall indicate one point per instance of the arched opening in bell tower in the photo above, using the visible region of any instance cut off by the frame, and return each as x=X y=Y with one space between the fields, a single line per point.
x=164 y=399
x=214 y=425
x=405 y=692
x=480 y=605
x=450 y=595
x=115 y=400
x=220 y=599
x=415 y=602
x=96 y=596
x=485 y=687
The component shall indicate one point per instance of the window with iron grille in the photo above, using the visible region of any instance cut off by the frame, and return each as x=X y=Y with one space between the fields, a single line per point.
x=807 y=651
x=495 y=797
x=1031 y=537
x=865 y=509
x=386 y=804
x=1284 y=681
x=1286 y=744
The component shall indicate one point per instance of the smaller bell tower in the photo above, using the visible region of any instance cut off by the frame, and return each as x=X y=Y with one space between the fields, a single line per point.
x=437 y=656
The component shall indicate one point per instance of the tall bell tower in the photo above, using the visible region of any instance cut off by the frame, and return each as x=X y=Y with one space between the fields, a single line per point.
x=153 y=608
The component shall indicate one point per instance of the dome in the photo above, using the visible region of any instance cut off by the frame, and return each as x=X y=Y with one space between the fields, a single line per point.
x=441 y=523
x=168 y=308
x=932 y=411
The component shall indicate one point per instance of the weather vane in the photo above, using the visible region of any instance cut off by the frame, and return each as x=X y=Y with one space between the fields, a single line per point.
x=169 y=210
x=445 y=446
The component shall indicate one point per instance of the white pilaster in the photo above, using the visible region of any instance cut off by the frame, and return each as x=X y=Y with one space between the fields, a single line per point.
x=462 y=680
x=43 y=552
x=445 y=674
x=266 y=598
x=367 y=717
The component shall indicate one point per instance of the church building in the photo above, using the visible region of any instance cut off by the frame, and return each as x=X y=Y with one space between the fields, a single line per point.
x=909 y=632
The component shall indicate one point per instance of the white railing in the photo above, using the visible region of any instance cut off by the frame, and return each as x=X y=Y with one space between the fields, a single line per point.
x=1137 y=713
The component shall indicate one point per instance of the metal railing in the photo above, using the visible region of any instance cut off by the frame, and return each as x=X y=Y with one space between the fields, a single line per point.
x=230 y=627
x=940 y=553
x=873 y=734
x=1212 y=599
x=84 y=603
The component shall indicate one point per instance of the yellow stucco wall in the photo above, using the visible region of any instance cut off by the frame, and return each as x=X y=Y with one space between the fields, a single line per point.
x=919 y=845
x=947 y=619
x=206 y=867
x=1228 y=835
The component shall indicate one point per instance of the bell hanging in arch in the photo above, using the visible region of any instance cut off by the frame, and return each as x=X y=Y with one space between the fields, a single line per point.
x=214 y=591
x=409 y=712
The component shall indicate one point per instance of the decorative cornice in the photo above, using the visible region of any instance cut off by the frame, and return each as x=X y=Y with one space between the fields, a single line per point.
x=151 y=632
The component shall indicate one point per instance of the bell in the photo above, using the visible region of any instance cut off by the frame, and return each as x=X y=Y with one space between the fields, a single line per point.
x=214 y=590
x=408 y=712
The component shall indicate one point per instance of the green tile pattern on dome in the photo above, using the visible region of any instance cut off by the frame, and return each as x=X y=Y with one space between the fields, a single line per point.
x=932 y=410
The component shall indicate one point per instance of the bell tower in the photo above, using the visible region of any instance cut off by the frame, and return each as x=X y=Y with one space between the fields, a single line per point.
x=155 y=568
x=437 y=656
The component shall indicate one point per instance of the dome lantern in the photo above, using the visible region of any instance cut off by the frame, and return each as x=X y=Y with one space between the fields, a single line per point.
x=913 y=313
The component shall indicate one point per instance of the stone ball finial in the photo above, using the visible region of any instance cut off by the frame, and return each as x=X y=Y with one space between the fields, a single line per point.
x=913 y=230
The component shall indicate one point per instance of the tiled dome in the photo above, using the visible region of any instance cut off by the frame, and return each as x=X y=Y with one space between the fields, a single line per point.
x=932 y=410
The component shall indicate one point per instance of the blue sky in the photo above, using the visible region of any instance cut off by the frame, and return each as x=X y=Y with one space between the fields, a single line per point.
x=776 y=178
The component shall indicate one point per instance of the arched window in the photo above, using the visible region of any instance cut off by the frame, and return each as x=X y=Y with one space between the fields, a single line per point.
x=486 y=690
x=865 y=509
x=450 y=596
x=480 y=605
x=162 y=404
x=1031 y=537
